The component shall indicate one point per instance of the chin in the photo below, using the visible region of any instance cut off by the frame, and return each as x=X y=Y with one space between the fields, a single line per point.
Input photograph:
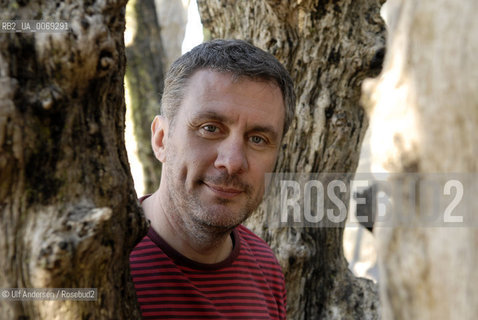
x=215 y=227
x=220 y=220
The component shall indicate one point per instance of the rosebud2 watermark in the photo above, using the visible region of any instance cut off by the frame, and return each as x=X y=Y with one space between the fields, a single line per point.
x=414 y=200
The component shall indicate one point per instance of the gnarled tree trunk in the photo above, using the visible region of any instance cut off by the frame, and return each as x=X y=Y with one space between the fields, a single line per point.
x=329 y=47
x=424 y=119
x=68 y=211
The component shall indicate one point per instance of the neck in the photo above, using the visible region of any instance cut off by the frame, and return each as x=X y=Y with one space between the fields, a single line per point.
x=193 y=241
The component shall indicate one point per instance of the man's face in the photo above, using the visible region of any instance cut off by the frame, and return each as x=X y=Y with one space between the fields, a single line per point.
x=223 y=139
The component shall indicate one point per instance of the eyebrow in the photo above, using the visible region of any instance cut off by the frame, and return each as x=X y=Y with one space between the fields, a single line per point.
x=212 y=115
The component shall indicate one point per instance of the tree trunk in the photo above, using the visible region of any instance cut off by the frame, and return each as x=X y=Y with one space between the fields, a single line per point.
x=68 y=211
x=172 y=18
x=424 y=111
x=145 y=76
x=329 y=47
x=159 y=32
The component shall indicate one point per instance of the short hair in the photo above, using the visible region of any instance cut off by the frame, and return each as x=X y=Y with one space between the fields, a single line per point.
x=237 y=57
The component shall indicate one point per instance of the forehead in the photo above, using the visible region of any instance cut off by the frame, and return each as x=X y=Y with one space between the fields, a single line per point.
x=235 y=97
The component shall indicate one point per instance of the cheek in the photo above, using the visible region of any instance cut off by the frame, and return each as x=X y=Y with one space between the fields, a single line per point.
x=197 y=160
x=201 y=154
x=260 y=168
x=266 y=163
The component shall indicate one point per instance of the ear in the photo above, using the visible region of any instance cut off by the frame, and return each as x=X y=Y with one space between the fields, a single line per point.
x=159 y=137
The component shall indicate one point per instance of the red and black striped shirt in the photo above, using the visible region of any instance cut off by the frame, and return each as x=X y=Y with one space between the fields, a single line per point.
x=249 y=284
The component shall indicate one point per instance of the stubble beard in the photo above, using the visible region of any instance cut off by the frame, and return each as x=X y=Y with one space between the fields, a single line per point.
x=207 y=220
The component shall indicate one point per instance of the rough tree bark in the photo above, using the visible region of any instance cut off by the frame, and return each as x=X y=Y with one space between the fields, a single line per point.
x=68 y=211
x=424 y=118
x=329 y=47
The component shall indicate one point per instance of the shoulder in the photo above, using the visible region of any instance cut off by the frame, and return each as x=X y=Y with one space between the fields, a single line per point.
x=142 y=247
x=258 y=247
x=251 y=238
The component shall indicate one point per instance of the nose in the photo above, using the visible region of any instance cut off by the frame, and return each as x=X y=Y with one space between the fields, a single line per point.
x=231 y=156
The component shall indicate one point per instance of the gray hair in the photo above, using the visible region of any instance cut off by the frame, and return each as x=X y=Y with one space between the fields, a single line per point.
x=236 y=57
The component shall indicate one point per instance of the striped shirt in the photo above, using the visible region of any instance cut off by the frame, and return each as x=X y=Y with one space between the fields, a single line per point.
x=249 y=284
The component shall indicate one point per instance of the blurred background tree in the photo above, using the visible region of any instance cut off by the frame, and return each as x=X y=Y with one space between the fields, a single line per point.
x=157 y=30
x=424 y=119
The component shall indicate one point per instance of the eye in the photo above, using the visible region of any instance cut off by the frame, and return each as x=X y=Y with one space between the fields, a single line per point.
x=210 y=128
x=257 y=140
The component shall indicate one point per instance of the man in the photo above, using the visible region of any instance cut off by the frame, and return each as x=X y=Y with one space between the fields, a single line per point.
x=226 y=106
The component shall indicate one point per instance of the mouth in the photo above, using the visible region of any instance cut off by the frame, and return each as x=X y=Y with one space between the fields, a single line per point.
x=223 y=191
